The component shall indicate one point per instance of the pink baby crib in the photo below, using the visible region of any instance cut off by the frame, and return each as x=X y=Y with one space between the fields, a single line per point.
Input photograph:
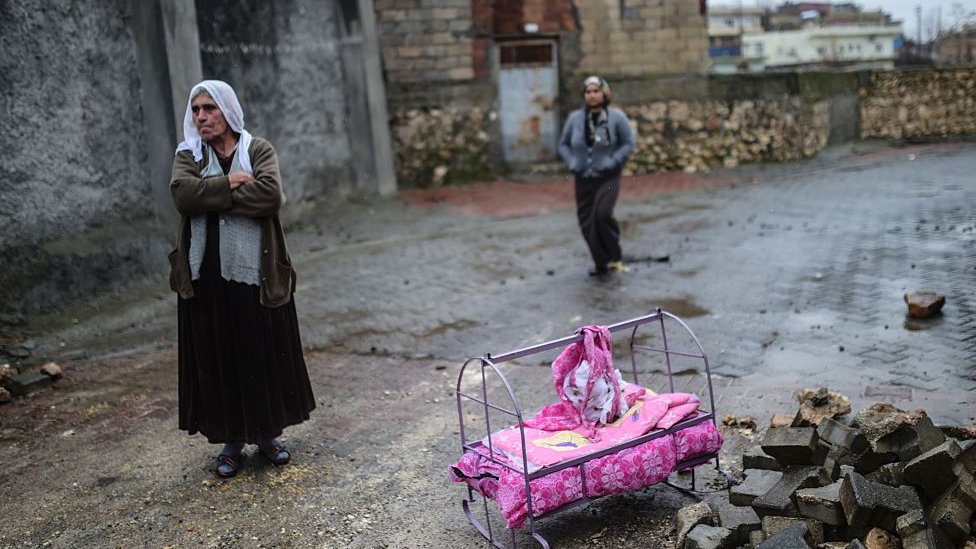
x=504 y=465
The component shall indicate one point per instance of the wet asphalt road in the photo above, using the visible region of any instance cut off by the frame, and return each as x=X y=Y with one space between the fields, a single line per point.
x=792 y=276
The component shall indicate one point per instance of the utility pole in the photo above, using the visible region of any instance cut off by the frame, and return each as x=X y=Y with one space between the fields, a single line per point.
x=918 y=23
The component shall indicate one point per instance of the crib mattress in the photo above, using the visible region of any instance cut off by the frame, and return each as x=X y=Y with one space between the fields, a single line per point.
x=623 y=471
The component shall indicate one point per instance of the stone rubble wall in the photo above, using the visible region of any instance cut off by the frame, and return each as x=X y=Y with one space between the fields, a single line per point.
x=919 y=104
x=699 y=136
x=444 y=146
x=769 y=121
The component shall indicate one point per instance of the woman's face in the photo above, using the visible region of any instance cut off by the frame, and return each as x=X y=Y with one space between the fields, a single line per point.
x=207 y=117
x=592 y=96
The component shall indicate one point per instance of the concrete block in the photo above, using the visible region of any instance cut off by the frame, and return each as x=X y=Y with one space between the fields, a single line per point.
x=953 y=510
x=690 y=516
x=890 y=430
x=771 y=526
x=932 y=471
x=704 y=536
x=927 y=437
x=741 y=521
x=838 y=434
x=868 y=503
x=795 y=536
x=966 y=461
x=756 y=537
x=890 y=474
x=870 y=460
x=756 y=483
x=910 y=523
x=26 y=382
x=780 y=500
x=833 y=461
x=930 y=538
x=793 y=446
x=755 y=458
x=822 y=504
x=915 y=532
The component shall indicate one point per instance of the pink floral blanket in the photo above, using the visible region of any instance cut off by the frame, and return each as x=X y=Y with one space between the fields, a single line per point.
x=547 y=446
x=624 y=471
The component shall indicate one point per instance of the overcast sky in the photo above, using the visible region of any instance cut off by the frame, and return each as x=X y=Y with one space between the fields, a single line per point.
x=899 y=9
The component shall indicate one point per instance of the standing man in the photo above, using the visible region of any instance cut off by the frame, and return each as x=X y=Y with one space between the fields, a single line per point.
x=595 y=143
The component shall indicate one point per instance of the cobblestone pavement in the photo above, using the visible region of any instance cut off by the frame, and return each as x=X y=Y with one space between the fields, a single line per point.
x=792 y=276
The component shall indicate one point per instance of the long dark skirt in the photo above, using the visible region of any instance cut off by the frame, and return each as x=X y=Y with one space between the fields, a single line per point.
x=242 y=376
x=595 y=200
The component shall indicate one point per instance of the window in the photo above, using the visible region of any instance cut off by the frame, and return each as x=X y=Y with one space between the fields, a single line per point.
x=526 y=54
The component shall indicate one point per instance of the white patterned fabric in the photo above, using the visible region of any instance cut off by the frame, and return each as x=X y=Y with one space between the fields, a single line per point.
x=240 y=237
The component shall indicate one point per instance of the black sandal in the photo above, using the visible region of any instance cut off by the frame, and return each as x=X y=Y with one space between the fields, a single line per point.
x=228 y=465
x=275 y=453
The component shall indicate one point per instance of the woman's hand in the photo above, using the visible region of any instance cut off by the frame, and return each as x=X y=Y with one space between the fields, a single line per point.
x=239 y=178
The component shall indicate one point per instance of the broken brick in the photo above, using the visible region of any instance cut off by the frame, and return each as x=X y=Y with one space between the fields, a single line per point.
x=868 y=503
x=780 y=500
x=793 y=446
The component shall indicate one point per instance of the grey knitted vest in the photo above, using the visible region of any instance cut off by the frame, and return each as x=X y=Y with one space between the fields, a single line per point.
x=240 y=236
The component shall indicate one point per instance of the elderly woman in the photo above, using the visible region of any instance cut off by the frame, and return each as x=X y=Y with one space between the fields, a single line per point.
x=595 y=143
x=242 y=376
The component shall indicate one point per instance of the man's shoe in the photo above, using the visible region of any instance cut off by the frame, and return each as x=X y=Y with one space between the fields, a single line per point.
x=597 y=271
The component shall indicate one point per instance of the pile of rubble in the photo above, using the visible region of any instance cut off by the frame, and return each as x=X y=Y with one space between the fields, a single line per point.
x=25 y=380
x=884 y=479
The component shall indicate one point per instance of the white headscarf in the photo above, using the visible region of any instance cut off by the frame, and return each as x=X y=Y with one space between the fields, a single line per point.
x=226 y=99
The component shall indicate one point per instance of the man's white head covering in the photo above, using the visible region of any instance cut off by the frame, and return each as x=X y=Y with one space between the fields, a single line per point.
x=226 y=99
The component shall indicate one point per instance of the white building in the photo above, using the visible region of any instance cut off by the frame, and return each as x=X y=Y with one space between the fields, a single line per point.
x=726 y=27
x=733 y=21
x=823 y=47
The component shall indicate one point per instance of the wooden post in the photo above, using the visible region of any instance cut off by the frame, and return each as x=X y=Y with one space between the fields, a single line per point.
x=379 y=119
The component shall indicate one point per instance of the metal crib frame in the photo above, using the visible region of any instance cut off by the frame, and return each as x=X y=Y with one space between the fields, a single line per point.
x=490 y=362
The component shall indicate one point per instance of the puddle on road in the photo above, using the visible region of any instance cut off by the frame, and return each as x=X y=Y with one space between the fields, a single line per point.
x=682 y=307
x=919 y=324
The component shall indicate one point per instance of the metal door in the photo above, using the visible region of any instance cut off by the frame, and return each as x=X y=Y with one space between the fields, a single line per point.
x=528 y=84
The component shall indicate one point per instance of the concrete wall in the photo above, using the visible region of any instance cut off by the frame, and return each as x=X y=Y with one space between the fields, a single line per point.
x=75 y=176
x=91 y=104
x=284 y=60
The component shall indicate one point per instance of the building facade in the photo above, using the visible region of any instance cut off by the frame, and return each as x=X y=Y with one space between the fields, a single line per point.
x=823 y=48
x=477 y=85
